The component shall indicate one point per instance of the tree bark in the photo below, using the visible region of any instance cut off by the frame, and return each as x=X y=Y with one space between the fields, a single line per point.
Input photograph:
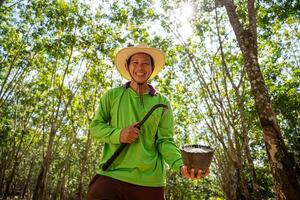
x=281 y=164
x=40 y=184
x=16 y=164
x=3 y=166
x=84 y=166
x=28 y=178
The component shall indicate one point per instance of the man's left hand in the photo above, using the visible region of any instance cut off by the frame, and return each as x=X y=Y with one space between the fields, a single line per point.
x=190 y=174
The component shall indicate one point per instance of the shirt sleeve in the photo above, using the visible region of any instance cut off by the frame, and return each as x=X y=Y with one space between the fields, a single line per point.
x=165 y=141
x=100 y=126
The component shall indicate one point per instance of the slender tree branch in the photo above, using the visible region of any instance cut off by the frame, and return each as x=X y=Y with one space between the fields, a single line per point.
x=252 y=17
x=234 y=20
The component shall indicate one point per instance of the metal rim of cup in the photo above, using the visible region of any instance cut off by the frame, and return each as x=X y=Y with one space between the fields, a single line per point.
x=197 y=146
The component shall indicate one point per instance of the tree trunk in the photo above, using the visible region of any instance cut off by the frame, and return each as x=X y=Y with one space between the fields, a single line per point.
x=84 y=166
x=240 y=104
x=40 y=184
x=3 y=166
x=65 y=169
x=16 y=164
x=62 y=187
x=56 y=192
x=28 y=178
x=281 y=164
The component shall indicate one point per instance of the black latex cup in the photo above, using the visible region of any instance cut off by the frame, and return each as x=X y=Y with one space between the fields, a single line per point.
x=197 y=157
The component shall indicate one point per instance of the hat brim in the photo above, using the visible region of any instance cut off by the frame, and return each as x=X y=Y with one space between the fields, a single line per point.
x=122 y=56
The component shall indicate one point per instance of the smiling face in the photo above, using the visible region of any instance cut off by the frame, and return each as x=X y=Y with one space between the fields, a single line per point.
x=140 y=67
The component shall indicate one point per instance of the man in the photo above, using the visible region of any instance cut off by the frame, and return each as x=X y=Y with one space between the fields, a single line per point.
x=139 y=172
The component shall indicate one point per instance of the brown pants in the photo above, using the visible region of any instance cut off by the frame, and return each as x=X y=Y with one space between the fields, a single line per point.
x=106 y=188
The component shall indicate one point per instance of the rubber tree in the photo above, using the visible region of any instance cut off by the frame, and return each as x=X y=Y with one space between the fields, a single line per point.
x=284 y=175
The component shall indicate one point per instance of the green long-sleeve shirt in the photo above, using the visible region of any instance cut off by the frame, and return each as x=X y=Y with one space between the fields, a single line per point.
x=142 y=162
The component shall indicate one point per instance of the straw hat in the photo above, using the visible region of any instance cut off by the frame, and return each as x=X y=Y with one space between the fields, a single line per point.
x=123 y=54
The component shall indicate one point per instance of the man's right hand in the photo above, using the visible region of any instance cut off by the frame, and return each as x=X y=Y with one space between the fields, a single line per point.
x=129 y=134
